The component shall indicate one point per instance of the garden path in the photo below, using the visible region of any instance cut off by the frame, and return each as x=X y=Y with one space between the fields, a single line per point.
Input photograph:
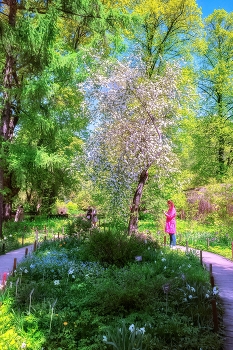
x=222 y=271
x=7 y=260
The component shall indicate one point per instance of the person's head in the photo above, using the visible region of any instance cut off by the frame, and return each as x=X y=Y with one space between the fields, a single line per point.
x=170 y=203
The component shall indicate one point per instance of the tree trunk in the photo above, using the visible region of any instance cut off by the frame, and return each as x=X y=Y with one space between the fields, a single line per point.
x=221 y=154
x=134 y=210
x=8 y=116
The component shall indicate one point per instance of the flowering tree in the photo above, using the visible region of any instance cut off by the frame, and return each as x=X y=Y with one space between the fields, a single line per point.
x=133 y=114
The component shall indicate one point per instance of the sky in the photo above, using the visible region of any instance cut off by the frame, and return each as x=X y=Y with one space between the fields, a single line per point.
x=208 y=6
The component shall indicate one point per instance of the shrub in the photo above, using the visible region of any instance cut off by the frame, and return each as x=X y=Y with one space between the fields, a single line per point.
x=115 y=248
x=80 y=225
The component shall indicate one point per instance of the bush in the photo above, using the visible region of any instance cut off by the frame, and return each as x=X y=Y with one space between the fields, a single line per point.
x=115 y=248
x=80 y=225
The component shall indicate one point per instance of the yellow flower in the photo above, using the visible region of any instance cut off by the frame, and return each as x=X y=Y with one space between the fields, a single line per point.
x=65 y=323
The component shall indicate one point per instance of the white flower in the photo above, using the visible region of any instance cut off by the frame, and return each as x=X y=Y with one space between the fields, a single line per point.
x=25 y=271
x=132 y=328
x=189 y=266
x=215 y=291
x=23 y=346
x=142 y=330
x=165 y=267
x=207 y=295
x=105 y=338
x=56 y=282
x=190 y=296
x=163 y=259
x=71 y=271
x=193 y=289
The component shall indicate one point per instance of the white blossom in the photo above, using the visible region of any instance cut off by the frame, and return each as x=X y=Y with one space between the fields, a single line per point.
x=132 y=328
x=133 y=113
x=140 y=330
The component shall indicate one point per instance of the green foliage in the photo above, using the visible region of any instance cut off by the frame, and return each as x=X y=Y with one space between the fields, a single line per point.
x=81 y=304
x=80 y=225
x=21 y=233
x=116 y=248
x=124 y=338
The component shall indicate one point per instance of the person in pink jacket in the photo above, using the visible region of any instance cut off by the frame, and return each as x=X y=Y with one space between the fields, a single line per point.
x=170 y=226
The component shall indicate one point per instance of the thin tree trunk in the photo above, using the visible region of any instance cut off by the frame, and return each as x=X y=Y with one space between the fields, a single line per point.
x=221 y=156
x=8 y=115
x=134 y=210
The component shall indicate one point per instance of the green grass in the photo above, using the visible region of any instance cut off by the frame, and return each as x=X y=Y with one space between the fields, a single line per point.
x=213 y=238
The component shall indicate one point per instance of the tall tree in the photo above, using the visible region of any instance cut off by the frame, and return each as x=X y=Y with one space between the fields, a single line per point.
x=33 y=53
x=23 y=57
x=214 y=141
x=165 y=30
x=134 y=113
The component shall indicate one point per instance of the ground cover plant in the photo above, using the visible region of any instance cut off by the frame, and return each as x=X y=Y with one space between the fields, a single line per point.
x=108 y=290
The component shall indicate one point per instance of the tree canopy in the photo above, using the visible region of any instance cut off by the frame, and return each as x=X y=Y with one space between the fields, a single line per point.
x=146 y=113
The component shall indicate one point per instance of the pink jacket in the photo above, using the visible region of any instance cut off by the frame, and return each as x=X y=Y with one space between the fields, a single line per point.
x=170 y=226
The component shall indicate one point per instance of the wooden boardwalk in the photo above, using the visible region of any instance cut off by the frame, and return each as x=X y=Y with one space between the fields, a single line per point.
x=222 y=271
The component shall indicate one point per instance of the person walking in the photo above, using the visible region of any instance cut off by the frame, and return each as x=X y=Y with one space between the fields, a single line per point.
x=170 y=226
x=94 y=217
